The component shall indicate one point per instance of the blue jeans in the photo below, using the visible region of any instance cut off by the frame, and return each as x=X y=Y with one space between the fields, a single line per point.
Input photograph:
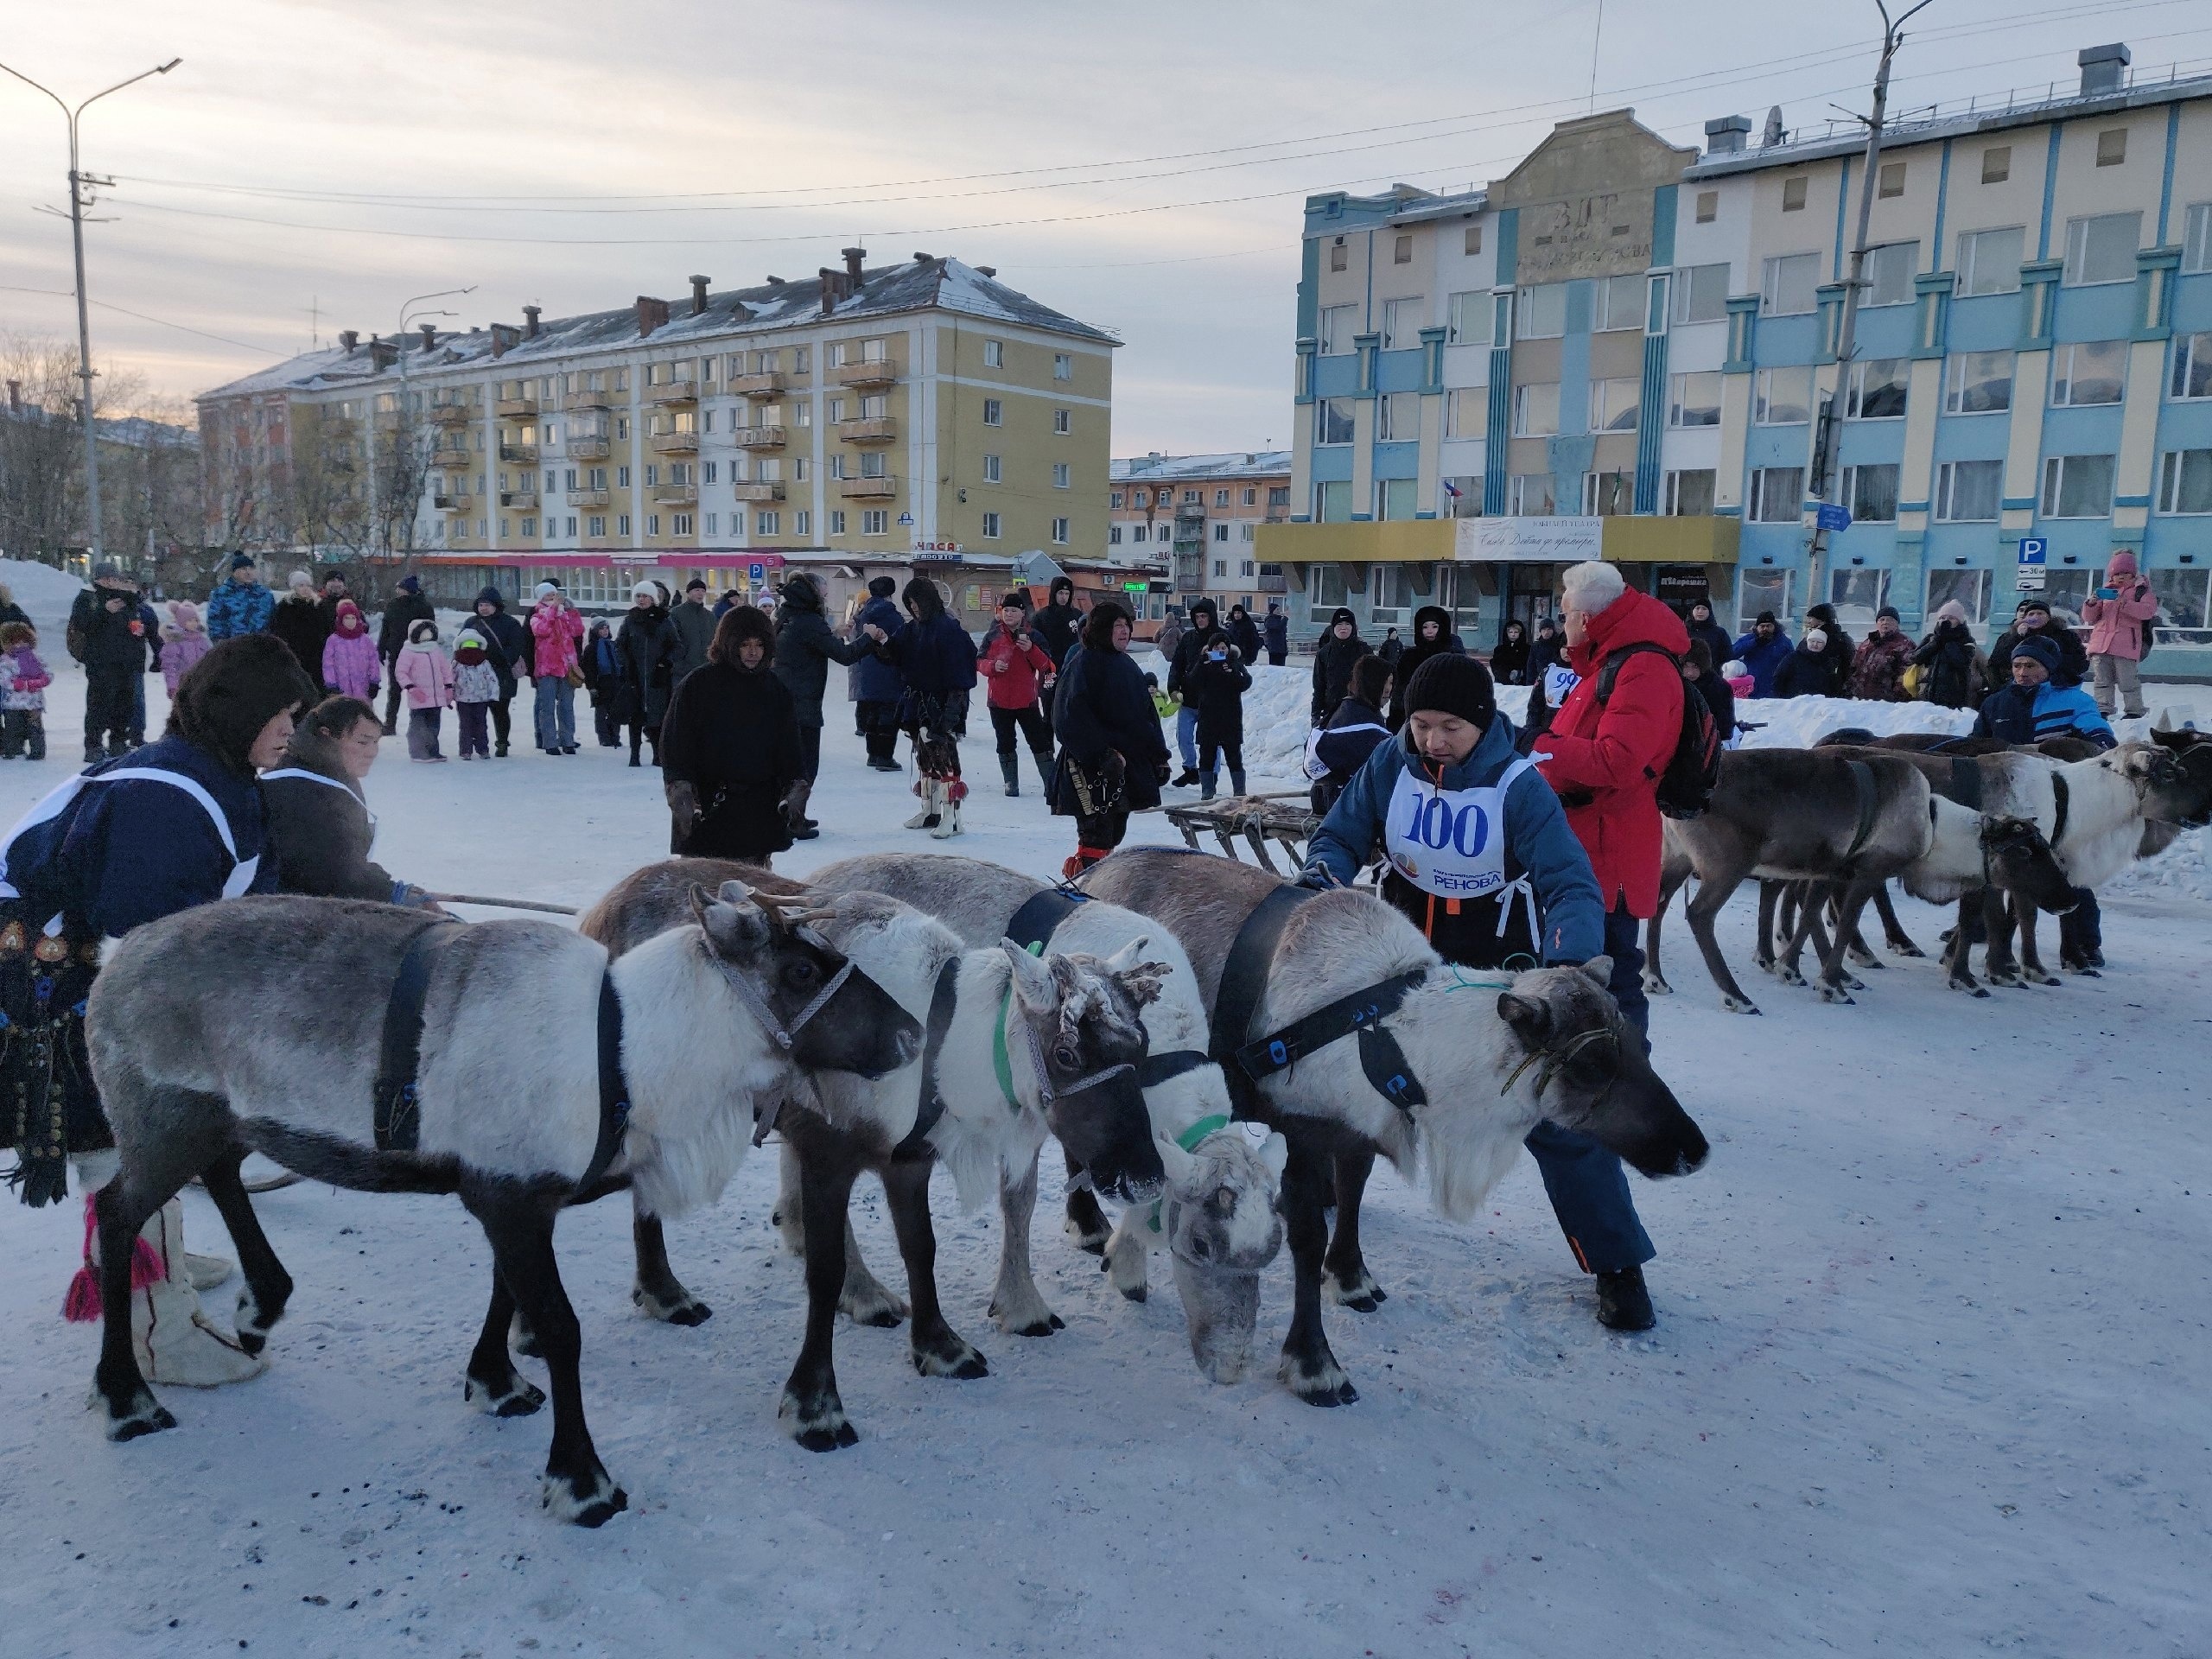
x=1583 y=1180
x=556 y=712
x=1186 y=736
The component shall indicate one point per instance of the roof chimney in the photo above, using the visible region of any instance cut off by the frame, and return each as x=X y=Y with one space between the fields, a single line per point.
x=530 y=321
x=698 y=296
x=833 y=288
x=505 y=337
x=349 y=337
x=775 y=280
x=853 y=258
x=651 y=313
x=429 y=335
x=921 y=258
x=383 y=354
x=2103 y=67
x=1724 y=137
x=986 y=270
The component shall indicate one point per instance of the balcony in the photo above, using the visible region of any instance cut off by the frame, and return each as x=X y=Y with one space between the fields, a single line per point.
x=675 y=495
x=1189 y=582
x=450 y=458
x=675 y=443
x=881 y=371
x=674 y=394
x=521 y=500
x=758 y=491
x=526 y=453
x=876 y=429
x=768 y=384
x=517 y=409
x=587 y=497
x=758 y=437
x=1277 y=583
x=587 y=448
x=867 y=489
x=450 y=414
x=452 y=503
x=581 y=399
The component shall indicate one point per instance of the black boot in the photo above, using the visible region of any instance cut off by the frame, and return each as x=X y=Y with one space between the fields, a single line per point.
x=1206 y=785
x=1623 y=1302
x=1189 y=776
x=1235 y=781
x=1043 y=760
x=1013 y=776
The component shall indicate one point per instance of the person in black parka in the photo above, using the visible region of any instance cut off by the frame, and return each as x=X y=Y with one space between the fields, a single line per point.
x=1193 y=642
x=1056 y=627
x=1274 y=632
x=1340 y=647
x=1433 y=637
x=806 y=646
x=408 y=607
x=510 y=657
x=735 y=778
x=1509 y=663
x=646 y=646
x=877 y=684
x=1699 y=670
x=1244 y=634
x=1215 y=686
x=318 y=812
x=1702 y=626
x=1352 y=732
x=1113 y=754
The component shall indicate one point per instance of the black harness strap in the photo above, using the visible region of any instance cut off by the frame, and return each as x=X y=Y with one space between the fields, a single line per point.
x=614 y=1092
x=1966 y=781
x=2062 y=799
x=1862 y=779
x=1041 y=913
x=1159 y=1067
x=930 y=1107
x=398 y=1120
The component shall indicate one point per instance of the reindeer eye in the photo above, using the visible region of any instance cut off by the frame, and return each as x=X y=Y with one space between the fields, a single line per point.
x=801 y=975
x=1065 y=1058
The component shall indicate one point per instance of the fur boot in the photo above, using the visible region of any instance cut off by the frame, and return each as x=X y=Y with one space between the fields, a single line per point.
x=951 y=794
x=932 y=792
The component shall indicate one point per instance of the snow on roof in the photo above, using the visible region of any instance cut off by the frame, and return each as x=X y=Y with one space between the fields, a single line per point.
x=1250 y=463
x=912 y=285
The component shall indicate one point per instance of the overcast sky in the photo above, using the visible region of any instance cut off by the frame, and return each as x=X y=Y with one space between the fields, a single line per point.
x=511 y=147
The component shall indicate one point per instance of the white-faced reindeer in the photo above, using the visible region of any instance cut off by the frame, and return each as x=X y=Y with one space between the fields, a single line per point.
x=1479 y=1062
x=645 y=1070
x=1015 y=1046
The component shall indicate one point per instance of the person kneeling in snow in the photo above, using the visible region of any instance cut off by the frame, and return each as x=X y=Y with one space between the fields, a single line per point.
x=177 y=823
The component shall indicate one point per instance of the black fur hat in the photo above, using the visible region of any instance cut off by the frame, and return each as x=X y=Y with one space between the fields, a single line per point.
x=238 y=687
x=882 y=586
x=1452 y=684
x=922 y=599
x=739 y=624
x=1098 y=627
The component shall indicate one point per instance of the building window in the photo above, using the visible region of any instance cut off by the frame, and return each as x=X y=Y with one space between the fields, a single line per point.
x=1877 y=389
x=994 y=412
x=1114 y=500
x=1279 y=495
x=1793 y=193
x=991 y=526
x=1783 y=396
x=1870 y=493
x=1338 y=254
x=714 y=524
x=1060 y=532
x=1709 y=206
x=2112 y=147
x=1245 y=567
x=993 y=353
x=1221 y=532
x=799 y=464
x=679 y=523
x=1398 y=418
x=1614 y=405
x=1402 y=322
x=1978 y=383
x=1337 y=325
x=1989 y=261
x=1618 y=304
x=1777 y=495
x=2077 y=486
x=529 y=527
x=1605 y=495
x=2196 y=239
x=991 y=470
x=1467 y=412
x=1062 y=422
x=1251 y=496
x=653 y=523
x=1063 y=366
x=1530 y=495
x=836 y=521
x=1221 y=567
x=1466 y=319
x=652 y=476
x=2192 y=375
x=1689 y=494
x=875 y=521
x=873 y=465
x=1695 y=399
x=1472 y=242
x=1701 y=293
x=802 y=522
x=765 y=523
x=1332 y=419
x=2087 y=373
x=1190 y=498
x=2185 y=480
x=1968 y=492
x=621 y=523
x=1536 y=409
x=1221 y=497
x=713 y=470
x=595 y=526
x=1542 y=311
x=1113 y=535
x=1892 y=179
x=2103 y=248
x=1789 y=284
x=1889 y=273
x=1997 y=164
x=1402 y=249
x=1061 y=475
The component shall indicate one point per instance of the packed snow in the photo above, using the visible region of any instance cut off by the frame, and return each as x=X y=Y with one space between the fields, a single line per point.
x=1929 y=1375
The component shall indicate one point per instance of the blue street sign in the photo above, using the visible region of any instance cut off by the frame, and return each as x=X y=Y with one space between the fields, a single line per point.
x=905 y=518
x=756 y=571
x=1831 y=516
x=2032 y=548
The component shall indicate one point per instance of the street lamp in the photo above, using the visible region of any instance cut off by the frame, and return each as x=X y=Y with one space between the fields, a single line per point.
x=408 y=315
x=78 y=186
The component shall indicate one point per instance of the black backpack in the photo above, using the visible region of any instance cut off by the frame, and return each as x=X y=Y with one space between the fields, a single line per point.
x=1685 y=786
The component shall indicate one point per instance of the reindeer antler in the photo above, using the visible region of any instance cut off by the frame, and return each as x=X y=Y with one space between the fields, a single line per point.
x=791 y=909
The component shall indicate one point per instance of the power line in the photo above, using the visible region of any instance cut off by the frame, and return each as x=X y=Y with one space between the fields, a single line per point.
x=70 y=294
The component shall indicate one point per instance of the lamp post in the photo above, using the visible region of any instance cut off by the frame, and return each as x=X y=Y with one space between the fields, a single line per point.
x=78 y=186
x=408 y=314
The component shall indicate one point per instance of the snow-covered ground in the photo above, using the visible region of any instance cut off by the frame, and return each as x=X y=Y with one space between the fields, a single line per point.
x=1928 y=1377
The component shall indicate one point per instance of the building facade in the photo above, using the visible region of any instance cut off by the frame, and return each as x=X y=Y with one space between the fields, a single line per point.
x=1201 y=515
x=1626 y=349
x=922 y=407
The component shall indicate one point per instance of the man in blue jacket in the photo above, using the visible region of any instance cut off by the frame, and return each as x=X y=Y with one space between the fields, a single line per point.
x=877 y=684
x=239 y=604
x=1478 y=855
x=1763 y=651
x=2033 y=707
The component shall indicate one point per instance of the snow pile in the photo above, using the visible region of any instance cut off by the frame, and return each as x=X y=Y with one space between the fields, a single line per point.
x=44 y=592
x=2182 y=868
x=1277 y=716
x=1802 y=722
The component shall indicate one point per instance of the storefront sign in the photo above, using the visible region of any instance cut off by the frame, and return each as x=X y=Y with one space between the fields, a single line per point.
x=1528 y=541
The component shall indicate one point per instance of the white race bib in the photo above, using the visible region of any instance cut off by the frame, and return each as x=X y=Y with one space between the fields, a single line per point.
x=1450 y=842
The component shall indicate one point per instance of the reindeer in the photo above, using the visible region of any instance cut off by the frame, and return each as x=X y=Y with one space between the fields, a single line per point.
x=733 y=1008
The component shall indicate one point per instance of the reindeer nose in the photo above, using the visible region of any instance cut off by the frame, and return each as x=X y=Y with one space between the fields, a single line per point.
x=910 y=1046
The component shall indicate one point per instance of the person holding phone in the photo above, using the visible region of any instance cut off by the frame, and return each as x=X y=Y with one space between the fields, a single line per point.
x=2119 y=614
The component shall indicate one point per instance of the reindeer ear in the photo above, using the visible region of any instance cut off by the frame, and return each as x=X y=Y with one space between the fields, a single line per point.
x=1179 y=1165
x=1601 y=969
x=1274 y=1153
x=1531 y=1020
x=735 y=931
x=732 y=893
x=1034 y=987
x=1126 y=958
x=702 y=901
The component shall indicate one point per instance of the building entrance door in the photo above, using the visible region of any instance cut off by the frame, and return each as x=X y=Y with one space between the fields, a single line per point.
x=1531 y=591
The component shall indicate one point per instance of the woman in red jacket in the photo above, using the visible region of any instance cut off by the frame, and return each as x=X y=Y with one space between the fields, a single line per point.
x=1015 y=668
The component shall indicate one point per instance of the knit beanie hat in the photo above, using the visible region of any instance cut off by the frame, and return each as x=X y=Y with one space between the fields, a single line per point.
x=1889 y=611
x=2123 y=564
x=882 y=587
x=2034 y=603
x=1448 y=683
x=546 y=589
x=2043 y=650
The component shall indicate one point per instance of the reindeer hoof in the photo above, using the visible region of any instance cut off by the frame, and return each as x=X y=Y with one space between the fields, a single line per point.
x=2048 y=979
x=687 y=1312
x=820 y=1426
x=1358 y=1293
x=146 y=1416
x=522 y=1338
x=592 y=1502
x=1838 y=994
x=515 y=1397
x=1317 y=1383
x=1739 y=1005
x=955 y=1360
x=1969 y=988
x=1790 y=976
x=1090 y=1240
x=879 y=1310
x=1655 y=986
x=1904 y=948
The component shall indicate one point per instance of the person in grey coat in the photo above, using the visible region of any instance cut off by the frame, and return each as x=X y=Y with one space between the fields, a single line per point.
x=806 y=646
x=694 y=622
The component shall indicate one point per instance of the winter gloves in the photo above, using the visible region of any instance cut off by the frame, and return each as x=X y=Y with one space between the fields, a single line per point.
x=683 y=808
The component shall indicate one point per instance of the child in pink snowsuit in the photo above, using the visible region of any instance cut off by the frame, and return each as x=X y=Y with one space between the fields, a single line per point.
x=23 y=680
x=184 y=642
x=424 y=672
x=350 y=665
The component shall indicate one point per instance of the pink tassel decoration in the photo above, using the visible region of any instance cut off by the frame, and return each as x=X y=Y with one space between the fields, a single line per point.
x=81 y=1303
